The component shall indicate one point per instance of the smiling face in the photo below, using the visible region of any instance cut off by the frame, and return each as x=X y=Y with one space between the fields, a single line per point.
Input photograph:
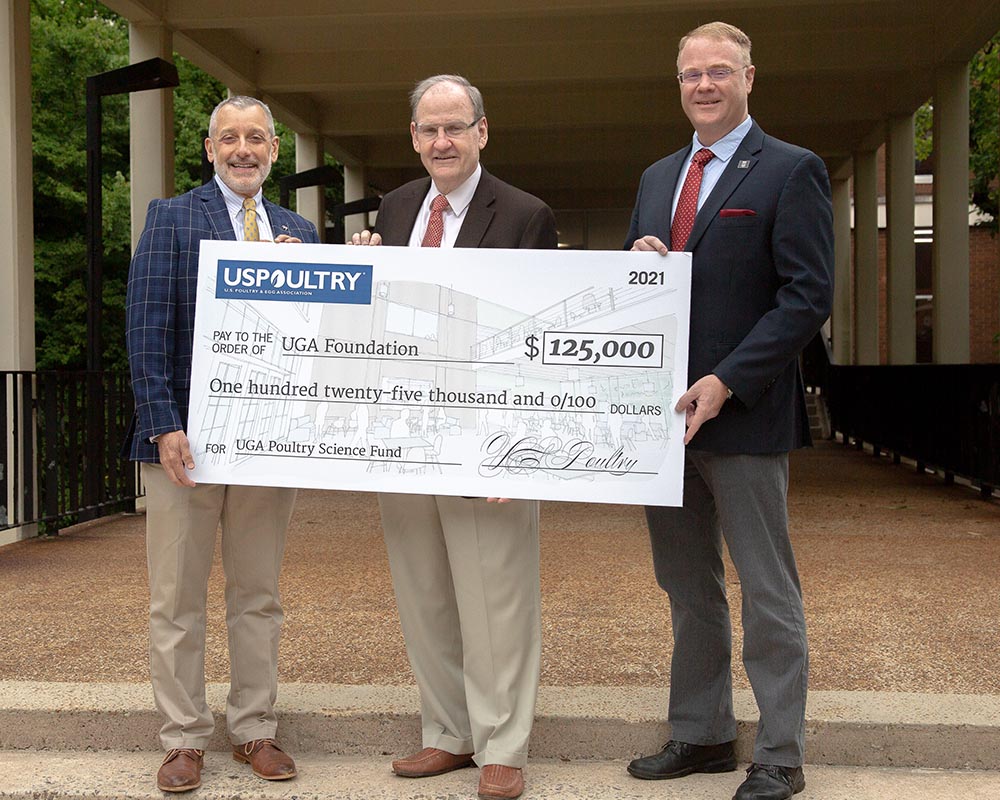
x=241 y=148
x=714 y=108
x=448 y=160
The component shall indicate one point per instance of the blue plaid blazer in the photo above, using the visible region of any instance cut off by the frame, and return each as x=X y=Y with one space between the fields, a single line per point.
x=159 y=306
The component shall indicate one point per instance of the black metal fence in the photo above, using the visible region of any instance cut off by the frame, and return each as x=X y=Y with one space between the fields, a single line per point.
x=945 y=416
x=942 y=416
x=60 y=463
x=59 y=451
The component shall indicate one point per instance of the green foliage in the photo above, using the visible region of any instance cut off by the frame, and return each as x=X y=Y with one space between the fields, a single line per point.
x=71 y=40
x=923 y=131
x=285 y=165
x=333 y=193
x=194 y=100
x=984 y=131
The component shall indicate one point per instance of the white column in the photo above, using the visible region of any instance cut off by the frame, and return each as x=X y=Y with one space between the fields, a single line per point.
x=841 y=318
x=901 y=257
x=310 y=202
x=866 y=255
x=951 y=214
x=355 y=182
x=151 y=126
x=17 y=267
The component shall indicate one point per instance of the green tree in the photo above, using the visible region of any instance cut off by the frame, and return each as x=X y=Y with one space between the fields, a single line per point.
x=71 y=40
x=984 y=131
x=194 y=100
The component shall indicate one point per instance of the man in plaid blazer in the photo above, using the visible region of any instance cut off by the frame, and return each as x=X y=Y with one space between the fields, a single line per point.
x=182 y=517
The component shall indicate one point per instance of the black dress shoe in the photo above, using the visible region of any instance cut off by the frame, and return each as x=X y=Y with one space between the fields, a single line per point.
x=770 y=782
x=678 y=759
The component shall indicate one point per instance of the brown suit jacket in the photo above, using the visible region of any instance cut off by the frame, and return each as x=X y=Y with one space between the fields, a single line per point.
x=498 y=216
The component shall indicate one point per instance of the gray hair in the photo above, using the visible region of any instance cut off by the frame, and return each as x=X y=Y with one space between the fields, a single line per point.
x=721 y=31
x=475 y=96
x=242 y=102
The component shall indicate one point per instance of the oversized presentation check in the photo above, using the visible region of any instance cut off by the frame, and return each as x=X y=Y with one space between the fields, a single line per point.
x=482 y=373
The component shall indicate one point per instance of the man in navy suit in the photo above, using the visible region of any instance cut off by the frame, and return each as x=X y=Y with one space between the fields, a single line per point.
x=756 y=215
x=465 y=569
x=182 y=517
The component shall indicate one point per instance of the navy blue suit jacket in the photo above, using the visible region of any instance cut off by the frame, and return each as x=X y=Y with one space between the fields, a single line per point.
x=160 y=302
x=762 y=284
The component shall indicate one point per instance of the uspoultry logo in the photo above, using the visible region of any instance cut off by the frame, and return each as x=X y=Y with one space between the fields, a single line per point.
x=303 y=283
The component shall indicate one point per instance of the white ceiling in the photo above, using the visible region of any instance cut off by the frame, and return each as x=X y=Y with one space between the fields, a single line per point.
x=580 y=94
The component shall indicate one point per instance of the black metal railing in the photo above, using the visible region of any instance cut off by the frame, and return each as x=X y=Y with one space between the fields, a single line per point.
x=60 y=451
x=945 y=416
x=815 y=362
x=941 y=416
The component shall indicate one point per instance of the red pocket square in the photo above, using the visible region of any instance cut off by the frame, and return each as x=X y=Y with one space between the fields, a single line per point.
x=737 y=212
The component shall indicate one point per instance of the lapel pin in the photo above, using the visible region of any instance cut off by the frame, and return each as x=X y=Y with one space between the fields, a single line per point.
x=743 y=165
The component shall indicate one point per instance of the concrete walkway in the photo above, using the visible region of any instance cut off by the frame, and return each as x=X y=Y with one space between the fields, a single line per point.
x=68 y=740
x=902 y=602
x=85 y=776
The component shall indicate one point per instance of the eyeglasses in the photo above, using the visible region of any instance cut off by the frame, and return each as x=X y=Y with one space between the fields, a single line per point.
x=452 y=130
x=254 y=140
x=715 y=74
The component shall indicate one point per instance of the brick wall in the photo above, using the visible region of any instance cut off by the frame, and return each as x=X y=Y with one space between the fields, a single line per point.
x=984 y=296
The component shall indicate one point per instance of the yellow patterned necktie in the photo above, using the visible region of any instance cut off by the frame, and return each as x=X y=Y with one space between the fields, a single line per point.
x=250 y=232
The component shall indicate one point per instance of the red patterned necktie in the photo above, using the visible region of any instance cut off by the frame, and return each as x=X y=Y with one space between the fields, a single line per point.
x=435 y=225
x=687 y=205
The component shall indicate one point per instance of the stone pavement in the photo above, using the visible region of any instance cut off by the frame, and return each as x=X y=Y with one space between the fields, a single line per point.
x=899 y=574
x=85 y=776
x=67 y=740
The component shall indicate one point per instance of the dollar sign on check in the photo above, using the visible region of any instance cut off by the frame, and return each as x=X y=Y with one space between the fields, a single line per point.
x=532 y=346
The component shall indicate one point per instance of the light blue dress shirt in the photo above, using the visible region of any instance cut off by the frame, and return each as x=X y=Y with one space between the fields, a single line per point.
x=234 y=205
x=723 y=151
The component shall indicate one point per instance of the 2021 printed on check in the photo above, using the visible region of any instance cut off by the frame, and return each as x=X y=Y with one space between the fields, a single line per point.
x=503 y=373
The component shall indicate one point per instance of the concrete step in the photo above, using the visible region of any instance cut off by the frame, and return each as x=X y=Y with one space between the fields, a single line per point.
x=870 y=729
x=75 y=775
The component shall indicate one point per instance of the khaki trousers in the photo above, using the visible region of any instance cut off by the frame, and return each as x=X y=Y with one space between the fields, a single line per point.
x=466 y=578
x=181 y=526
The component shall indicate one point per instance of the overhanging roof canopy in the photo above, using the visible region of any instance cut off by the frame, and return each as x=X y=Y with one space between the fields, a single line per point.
x=580 y=94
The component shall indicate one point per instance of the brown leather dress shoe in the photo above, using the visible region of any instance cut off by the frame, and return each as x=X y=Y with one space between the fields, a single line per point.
x=430 y=761
x=267 y=759
x=500 y=782
x=180 y=770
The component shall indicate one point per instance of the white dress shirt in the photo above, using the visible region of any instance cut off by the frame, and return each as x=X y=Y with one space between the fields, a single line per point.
x=453 y=217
